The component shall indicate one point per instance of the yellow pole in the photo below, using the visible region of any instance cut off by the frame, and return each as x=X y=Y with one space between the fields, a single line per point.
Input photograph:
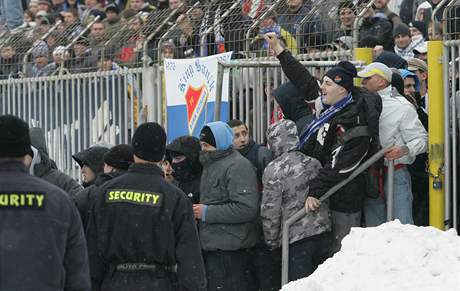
x=436 y=130
x=364 y=55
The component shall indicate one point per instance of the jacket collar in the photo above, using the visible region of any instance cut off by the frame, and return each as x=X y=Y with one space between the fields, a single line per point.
x=386 y=93
x=150 y=169
x=13 y=166
x=210 y=157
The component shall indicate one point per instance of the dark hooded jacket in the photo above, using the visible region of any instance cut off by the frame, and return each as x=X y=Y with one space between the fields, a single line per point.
x=46 y=168
x=293 y=105
x=377 y=30
x=92 y=157
x=187 y=173
x=336 y=145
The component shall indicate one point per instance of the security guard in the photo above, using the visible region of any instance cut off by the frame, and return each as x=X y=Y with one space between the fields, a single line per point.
x=42 y=244
x=141 y=231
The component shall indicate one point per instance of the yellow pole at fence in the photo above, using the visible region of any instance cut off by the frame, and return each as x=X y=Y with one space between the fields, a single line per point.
x=363 y=55
x=436 y=131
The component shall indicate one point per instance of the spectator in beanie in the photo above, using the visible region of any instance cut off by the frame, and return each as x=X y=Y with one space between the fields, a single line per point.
x=418 y=28
x=112 y=20
x=346 y=108
x=91 y=162
x=404 y=46
x=83 y=60
x=116 y=162
x=228 y=209
x=45 y=5
x=168 y=49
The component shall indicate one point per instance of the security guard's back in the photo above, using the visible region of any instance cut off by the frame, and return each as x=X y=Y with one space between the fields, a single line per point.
x=42 y=244
x=142 y=227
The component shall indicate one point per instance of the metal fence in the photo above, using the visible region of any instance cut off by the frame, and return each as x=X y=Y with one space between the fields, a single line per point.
x=316 y=29
x=451 y=70
x=80 y=110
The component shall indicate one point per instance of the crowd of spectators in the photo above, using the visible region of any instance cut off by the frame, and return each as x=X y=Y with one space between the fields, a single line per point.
x=80 y=36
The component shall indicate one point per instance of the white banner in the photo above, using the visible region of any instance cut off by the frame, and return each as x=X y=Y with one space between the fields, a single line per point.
x=191 y=93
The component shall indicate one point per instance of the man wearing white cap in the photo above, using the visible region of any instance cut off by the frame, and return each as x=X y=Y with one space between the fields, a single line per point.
x=401 y=131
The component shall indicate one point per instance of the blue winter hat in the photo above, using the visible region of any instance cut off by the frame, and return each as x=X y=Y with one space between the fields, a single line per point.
x=222 y=134
x=408 y=74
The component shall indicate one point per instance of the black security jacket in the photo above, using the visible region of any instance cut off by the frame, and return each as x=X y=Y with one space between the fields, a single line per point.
x=161 y=233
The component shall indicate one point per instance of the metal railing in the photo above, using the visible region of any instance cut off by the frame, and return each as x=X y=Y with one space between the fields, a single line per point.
x=78 y=110
x=301 y=213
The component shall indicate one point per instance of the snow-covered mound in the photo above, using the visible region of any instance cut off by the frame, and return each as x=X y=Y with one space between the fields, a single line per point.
x=391 y=257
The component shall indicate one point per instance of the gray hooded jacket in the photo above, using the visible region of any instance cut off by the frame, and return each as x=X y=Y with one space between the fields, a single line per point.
x=286 y=186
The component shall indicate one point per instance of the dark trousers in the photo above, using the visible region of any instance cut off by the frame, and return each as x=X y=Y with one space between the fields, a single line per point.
x=228 y=270
x=265 y=268
x=139 y=280
x=305 y=255
x=420 y=204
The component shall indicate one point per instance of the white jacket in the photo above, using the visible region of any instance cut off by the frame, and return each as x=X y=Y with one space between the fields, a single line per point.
x=399 y=125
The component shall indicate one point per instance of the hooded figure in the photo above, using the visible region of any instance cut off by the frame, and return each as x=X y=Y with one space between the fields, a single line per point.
x=43 y=167
x=116 y=162
x=91 y=162
x=286 y=187
x=293 y=105
x=185 y=161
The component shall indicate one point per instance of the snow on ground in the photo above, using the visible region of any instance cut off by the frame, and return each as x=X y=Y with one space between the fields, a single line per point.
x=391 y=257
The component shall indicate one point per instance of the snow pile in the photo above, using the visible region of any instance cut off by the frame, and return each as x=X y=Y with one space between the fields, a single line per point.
x=391 y=257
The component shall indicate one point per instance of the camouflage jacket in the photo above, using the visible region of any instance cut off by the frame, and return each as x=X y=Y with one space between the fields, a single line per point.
x=285 y=188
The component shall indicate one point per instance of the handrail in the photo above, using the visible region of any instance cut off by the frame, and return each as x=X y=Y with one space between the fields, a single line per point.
x=167 y=33
x=356 y=22
x=257 y=22
x=208 y=31
x=301 y=213
x=160 y=27
x=29 y=51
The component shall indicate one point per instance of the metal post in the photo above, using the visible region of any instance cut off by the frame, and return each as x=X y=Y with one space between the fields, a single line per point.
x=219 y=85
x=390 y=189
x=433 y=16
x=301 y=213
x=436 y=130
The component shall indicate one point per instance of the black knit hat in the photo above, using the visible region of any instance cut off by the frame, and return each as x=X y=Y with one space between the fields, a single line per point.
x=401 y=29
x=207 y=136
x=119 y=156
x=14 y=137
x=421 y=26
x=343 y=74
x=149 y=142
x=113 y=8
x=92 y=157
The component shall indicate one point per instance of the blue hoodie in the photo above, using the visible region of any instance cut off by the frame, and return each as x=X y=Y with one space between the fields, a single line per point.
x=223 y=134
x=406 y=73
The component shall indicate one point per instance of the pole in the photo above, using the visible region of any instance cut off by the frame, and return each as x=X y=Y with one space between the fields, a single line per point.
x=435 y=127
x=219 y=85
x=390 y=189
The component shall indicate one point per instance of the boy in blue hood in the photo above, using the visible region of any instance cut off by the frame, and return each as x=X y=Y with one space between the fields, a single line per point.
x=228 y=209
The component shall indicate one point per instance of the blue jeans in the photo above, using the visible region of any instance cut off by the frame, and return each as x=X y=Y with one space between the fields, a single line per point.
x=375 y=209
x=11 y=13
